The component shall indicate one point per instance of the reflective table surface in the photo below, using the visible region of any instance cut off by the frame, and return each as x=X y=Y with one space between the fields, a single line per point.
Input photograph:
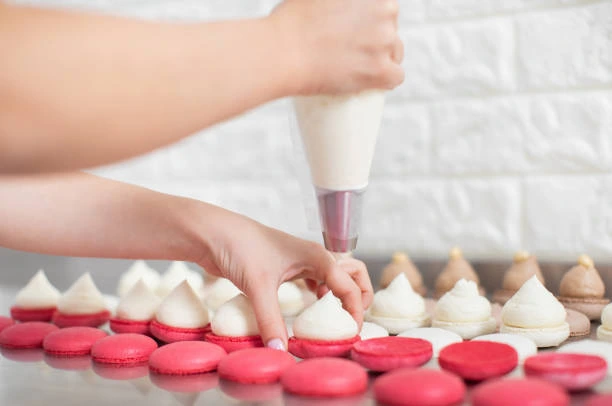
x=28 y=378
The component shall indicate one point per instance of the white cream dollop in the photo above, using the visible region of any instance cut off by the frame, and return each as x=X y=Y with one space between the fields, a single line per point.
x=398 y=300
x=325 y=319
x=462 y=304
x=176 y=273
x=182 y=308
x=290 y=299
x=38 y=293
x=533 y=306
x=139 y=270
x=221 y=291
x=83 y=297
x=235 y=318
x=139 y=303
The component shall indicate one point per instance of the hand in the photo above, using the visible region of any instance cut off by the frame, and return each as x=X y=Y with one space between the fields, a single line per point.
x=259 y=258
x=342 y=46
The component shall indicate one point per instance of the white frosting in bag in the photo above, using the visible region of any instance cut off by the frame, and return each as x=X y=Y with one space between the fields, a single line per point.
x=38 y=293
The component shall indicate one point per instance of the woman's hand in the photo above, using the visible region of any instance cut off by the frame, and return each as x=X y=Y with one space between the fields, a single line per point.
x=342 y=46
x=259 y=258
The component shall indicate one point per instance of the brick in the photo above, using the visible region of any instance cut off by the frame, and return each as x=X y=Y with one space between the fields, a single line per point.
x=565 y=48
x=566 y=216
x=472 y=137
x=473 y=58
x=570 y=132
x=427 y=217
x=403 y=146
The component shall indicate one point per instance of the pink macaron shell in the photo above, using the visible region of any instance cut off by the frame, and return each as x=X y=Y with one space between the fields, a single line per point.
x=21 y=314
x=80 y=320
x=123 y=349
x=255 y=365
x=387 y=353
x=231 y=344
x=524 y=392
x=599 y=400
x=5 y=322
x=574 y=372
x=26 y=335
x=122 y=326
x=478 y=360
x=170 y=334
x=419 y=387
x=186 y=358
x=307 y=348
x=325 y=377
x=71 y=341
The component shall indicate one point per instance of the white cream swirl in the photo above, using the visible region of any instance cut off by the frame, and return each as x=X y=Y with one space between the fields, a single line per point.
x=176 y=273
x=38 y=293
x=533 y=306
x=139 y=270
x=221 y=291
x=325 y=319
x=290 y=299
x=139 y=303
x=462 y=304
x=606 y=317
x=83 y=297
x=235 y=318
x=182 y=308
x=398 y=300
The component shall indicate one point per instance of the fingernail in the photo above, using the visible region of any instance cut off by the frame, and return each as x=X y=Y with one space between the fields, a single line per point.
x=277 y=344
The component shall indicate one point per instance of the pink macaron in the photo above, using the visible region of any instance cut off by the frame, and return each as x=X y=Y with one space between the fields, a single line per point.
x=307 y=348
x=186 y=358
x=72 y=341
x=387 y=353
x=574 y=372
x=123 y=349
x=26 y=335
x=255 y=365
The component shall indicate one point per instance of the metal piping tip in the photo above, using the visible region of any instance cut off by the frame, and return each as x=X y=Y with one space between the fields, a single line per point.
x=340 y=213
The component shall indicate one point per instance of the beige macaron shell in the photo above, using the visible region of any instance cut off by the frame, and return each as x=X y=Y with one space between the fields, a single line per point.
x=543 y=337
x=457 y=268
x=579 y=323
x=400 y=262
x=468 y=330
x=582 y=282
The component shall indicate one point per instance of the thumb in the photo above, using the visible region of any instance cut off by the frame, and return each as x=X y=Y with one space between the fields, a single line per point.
x=269 y=318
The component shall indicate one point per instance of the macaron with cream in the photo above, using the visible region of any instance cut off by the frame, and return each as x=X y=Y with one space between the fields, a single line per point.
x=583 y=290
x=324 y=329
x=523 y=267
x=290 y=299
x=398 y=307
x=604 y=331
x=463 y=311
x=457 y=268
x=535 y=313
x=234 y=326
x=221 y=291
x=135 y=310
x=181 y=316
x=37 y=301
x=81 y=305
x=177 y=272
x=401 y=263
x=138 y=271
x=372 y=330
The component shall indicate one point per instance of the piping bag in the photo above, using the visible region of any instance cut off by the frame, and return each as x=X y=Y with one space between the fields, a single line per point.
x=339 y=135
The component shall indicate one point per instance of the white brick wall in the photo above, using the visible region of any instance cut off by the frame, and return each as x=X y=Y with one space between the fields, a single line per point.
x=499 y=139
